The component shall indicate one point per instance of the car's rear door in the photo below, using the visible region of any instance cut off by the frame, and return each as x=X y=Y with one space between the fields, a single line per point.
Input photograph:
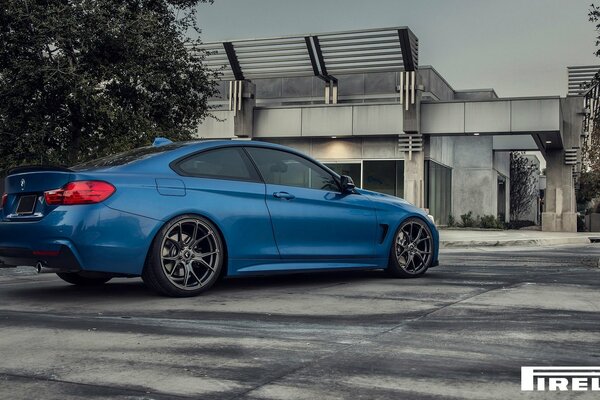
x=311 y=217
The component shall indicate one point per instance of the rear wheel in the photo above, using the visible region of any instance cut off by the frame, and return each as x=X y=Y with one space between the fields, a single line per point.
x=82 y=279
x=412 y=249
x=186 y=257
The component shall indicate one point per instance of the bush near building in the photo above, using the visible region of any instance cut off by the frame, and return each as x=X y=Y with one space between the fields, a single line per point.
x=467 y=221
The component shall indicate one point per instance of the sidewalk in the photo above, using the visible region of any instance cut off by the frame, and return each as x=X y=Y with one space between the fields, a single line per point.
x=484 y=238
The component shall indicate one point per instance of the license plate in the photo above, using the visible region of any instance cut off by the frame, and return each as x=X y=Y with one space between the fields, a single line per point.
x=26 y=205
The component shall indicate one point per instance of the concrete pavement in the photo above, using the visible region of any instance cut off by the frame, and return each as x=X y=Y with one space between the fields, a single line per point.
x=450 y=238
x=463 y=332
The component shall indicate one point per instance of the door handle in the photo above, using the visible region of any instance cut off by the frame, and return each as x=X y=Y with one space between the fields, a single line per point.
x=284 y=195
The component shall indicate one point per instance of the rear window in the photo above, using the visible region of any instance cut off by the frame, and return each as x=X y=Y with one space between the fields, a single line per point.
x=225 y=163
x=128 y=156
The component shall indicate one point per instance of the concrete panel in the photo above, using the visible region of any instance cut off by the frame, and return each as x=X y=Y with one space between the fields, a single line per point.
x=268 y=88
x=351 y=84
x=303 y=145
x=484 y=116
x=502 y=162
x=327 y=121
x=277 y=122
x=377 y=120
x=212 y=128
x=380 y=82
x=433 y=82
x=297 y=87
x=441 y=150
x=442 y=118
x=514 y=143
x=474 y=190
x=473 y=152
x=535 y=115
x=381 y=147
x=334 y=149
x=475 y=94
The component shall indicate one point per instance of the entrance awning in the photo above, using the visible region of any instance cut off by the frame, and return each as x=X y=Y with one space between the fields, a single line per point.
x=320 y=54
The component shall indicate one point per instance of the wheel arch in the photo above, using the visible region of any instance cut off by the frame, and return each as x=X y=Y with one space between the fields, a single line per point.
x=225 y=270
x=394 y=232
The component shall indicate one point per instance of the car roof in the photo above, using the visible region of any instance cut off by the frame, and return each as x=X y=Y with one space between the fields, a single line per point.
x=157 y=162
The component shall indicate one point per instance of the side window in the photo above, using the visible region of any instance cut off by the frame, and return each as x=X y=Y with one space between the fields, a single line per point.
x=224 y=163
x=283 y=168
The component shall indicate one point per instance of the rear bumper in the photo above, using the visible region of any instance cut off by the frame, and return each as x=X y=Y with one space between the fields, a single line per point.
x=80 y=238
x=62 y=260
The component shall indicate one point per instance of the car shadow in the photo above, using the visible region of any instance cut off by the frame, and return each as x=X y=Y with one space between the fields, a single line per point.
x=134 y=289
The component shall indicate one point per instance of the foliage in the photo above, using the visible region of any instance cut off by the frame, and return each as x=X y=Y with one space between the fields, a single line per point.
x=451 y=221
x=490 y=222
x=589 y=186
x=589 y=180
x=467 y=220
x=522 y=185
x=84 y=78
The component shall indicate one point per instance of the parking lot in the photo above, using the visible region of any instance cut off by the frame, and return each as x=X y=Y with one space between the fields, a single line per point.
x=463 y=331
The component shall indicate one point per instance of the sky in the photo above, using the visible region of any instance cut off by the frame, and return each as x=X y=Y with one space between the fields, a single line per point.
x=518 y=47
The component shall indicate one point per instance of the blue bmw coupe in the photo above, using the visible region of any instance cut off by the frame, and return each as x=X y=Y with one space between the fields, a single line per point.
x=182 y=215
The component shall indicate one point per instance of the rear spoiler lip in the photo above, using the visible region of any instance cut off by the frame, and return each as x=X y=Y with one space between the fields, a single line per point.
x=37 y=168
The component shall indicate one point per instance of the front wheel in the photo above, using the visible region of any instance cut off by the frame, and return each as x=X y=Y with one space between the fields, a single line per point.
x=186 y=257
x=412 y=249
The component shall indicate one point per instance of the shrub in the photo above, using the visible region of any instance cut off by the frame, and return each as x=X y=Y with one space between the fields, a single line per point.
x=467 y=220
x=490 y=222
x=451 y=221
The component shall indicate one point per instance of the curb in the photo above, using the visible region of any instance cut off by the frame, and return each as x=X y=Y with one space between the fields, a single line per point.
x=513 y=242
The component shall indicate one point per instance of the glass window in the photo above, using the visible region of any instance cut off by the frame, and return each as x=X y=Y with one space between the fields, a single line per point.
x=438 y=191
x=128 y=156
x=225 y=163
x=384 y=177
x=283 y=168
x=350 y=169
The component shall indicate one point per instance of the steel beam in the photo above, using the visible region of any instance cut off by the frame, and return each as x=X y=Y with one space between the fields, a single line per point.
x=233 y=61
x=407 y=56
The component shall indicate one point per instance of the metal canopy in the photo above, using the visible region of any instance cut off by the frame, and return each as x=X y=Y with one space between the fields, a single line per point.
x=579 y=77
x=323 y=55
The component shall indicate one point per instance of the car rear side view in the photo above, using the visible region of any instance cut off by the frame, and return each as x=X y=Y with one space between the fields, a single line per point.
x=182 y=215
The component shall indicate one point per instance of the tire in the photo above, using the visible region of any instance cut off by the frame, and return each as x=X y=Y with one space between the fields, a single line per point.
x=186 y=257
x=81 y=279
x=411 y=252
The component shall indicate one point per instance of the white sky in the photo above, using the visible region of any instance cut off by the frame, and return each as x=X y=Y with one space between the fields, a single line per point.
x=518 y=47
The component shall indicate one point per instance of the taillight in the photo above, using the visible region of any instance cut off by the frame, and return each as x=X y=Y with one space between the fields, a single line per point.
x=4 y=199
x=80 y=192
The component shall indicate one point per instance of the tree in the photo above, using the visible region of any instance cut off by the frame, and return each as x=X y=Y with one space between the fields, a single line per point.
x=589 y=180
x=84 y=78
x=522 y=185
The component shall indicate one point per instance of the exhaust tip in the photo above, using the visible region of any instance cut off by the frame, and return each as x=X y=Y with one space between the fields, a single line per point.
x=39 y=266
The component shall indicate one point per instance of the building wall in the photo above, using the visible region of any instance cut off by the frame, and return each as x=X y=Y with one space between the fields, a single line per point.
x=324 y=149
x=441 y=150
x=473 y=177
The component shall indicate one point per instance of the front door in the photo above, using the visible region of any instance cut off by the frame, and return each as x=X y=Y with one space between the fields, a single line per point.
x=311 y=217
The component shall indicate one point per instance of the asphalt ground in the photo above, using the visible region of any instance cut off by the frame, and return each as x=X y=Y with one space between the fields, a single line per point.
x=463 y=331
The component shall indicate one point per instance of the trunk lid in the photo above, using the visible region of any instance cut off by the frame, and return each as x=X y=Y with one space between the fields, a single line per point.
x=25 y=187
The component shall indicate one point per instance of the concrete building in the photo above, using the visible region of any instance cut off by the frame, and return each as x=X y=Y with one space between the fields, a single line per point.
x=359 y=102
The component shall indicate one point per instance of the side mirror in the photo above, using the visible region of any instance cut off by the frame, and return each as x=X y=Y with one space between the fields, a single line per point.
x=347 y=184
